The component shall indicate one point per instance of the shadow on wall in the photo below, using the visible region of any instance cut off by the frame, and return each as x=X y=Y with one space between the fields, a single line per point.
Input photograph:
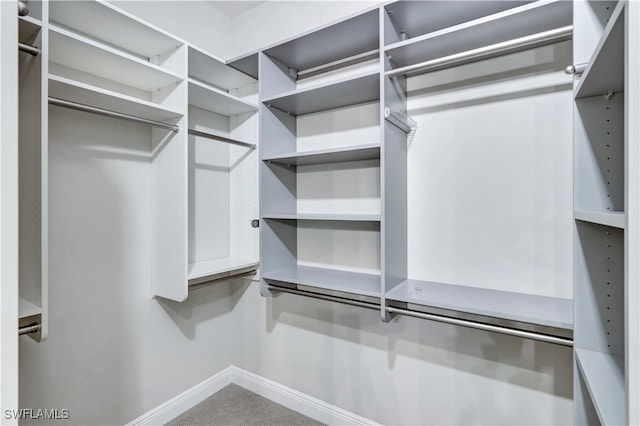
x=204 y=303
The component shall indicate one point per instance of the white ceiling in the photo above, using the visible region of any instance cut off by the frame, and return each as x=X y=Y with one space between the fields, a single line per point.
x=235 y=8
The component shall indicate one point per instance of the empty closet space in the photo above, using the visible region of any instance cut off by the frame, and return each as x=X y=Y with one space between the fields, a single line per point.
x=320 y=152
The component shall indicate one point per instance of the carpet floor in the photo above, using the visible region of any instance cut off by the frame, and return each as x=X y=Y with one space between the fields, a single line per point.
x=234 y=405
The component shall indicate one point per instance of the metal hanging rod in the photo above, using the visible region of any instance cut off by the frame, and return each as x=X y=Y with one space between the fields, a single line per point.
x=326 y=297
x=221 y=139
x=28 y=329
x=482 y=326
x=433 y=317
x=503 y=48
x=113 y=114
x=27 y=48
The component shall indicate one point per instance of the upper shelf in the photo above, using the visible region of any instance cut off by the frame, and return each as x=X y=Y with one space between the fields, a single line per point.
x=347 y=91
x=77 y=52
x=325 y=217
x=208 y=69
x=519 y=307
x=325 y=156
x=116 y=27
x=218 y=268
x=86 y=94
x=342 y=40
x=212 y=99
x=28 y=28
x=416 y=18
x=605 y=72
x=27 y=309
x=503 y=26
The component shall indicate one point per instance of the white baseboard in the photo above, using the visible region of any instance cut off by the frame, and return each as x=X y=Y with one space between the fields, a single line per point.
x=186 y=400
x=290 y=398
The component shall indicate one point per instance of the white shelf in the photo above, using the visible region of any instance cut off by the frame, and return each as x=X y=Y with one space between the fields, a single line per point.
x=352 y=90
x=613 y=219
x=518 y=22
x=102 y=21
x=603 y=375
x=605 y=72
x=325 y=156
x=74 y=91
x=338 y=41
x=213 y=71
x=217 y=267
x=28 y=28
x=77 y=52
x=328 y=279
x=27 y=309
x=326 y=217
x=527 y=308
x=210 y=98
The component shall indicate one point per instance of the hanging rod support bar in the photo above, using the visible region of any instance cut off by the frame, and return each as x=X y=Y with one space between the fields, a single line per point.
x=485 y=327
x=221 y=139
x=112 y=114
x=27 y=48
x=503 y=48
x=28 y=329
x=439 y=318
x=325 y=297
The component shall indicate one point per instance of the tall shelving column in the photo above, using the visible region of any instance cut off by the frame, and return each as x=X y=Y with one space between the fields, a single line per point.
x=33 y=171
x=605 y=210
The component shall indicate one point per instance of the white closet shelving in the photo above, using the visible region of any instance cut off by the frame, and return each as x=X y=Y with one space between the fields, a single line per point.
x=330 y=71
x=33 y=173
x=321 y=189
x=604 y=205
x=222 y=179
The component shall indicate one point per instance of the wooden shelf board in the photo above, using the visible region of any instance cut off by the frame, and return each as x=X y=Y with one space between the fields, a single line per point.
x=340 y=93
x=328 y=279
x=527 y=308
x=605 y=72
x=505 y=25
x=212 y=99
x=603 y=375
x=613 y=219
x=113 y=26
x=214 y=71
x=75 y=91
x=82 y=54
x=27 y=309
x=326 y=217
x=324 y=156
x=225 y=265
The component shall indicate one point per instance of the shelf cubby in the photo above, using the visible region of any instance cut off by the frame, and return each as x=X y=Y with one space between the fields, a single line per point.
x=473 y=28
x=536 y=310
x=605 y=70
x=215 y=100
x=351 y=90
x=105 y=23
x=87 y=94
x=76 y=52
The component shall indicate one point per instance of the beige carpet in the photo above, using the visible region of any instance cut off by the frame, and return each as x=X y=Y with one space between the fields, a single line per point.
x=234 y=405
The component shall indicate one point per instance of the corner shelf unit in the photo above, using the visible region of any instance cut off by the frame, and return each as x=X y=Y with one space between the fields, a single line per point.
x=342 y=67
x=33 y=304
x=605 y=229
